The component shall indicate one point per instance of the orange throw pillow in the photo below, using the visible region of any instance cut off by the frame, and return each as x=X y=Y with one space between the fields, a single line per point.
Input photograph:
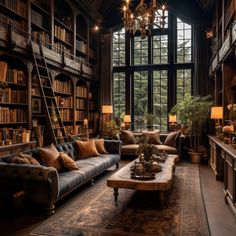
x=67 y=162
x=50 y=156
x=87 y=149
x=100 y=146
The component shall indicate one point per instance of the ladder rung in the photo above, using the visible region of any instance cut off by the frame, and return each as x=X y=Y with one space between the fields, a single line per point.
x=43 y=77
x=46 y=87
x=44 y=67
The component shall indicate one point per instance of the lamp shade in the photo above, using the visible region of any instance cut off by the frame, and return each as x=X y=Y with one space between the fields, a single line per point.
x=127 y=118
x=107 y=109
x=172 y=119
x=217 y=113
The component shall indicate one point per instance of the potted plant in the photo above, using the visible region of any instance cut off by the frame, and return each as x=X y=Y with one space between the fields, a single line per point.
x=150 y=120
x=194 y=111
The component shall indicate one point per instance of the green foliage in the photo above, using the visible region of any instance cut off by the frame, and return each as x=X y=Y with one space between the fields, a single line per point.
x=110 y=129
x=194 y=111
x=149 y=118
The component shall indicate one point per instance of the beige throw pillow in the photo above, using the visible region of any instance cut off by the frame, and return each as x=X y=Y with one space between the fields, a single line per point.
x=50 y=156
x=152 y=137
x=87 y=148
x=127 y=137
x=100 y=146
x=67 y=162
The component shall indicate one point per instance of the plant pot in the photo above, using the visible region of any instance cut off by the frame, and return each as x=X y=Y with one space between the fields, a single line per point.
x=196 y=157
x=150 y=127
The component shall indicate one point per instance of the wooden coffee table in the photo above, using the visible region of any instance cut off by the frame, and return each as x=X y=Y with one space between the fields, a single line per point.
x=161 y=183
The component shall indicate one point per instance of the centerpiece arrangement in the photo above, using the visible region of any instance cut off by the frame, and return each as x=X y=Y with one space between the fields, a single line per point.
x=148 y=161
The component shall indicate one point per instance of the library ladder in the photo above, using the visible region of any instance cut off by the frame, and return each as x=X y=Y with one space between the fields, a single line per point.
x=53 y=118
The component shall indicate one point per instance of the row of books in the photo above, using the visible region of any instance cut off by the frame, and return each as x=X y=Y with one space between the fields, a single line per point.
x=35 y=91
x=81 y=91
x=59 y=48
x=66 y=114
x=12 y=115
x=63 y=86
x=13 y=96
x=40 y=20
x=65 y=102
x=62 y=34
x=80 y=115
x=81 y=103
x=69 y=129
x=15 y=76
x=45 y=38
x=18 y=6
x=91 y=116
x=15 y=135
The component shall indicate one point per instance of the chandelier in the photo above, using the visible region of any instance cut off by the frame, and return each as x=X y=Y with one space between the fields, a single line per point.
x=143 y=18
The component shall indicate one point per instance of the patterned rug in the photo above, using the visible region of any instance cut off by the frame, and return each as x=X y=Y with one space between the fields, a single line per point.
x=138 y=213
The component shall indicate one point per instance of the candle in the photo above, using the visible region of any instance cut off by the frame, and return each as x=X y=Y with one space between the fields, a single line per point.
x=85 y=122
x=154 y=3
x=124 y=9
x=127 y=4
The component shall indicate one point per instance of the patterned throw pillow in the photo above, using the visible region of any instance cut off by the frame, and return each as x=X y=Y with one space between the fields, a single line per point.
x=87 y=149
x=171 y=138
x=50 y=156
x=22 y=158
x=67 y=162
x=100 y=146
x=127 y=137
x=152 y=137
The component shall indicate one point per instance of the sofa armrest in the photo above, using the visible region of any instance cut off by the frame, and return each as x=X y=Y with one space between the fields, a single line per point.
x=113 y=146
x=26 y=176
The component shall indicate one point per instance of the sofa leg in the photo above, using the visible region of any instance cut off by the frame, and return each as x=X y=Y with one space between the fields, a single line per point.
x=92 y=182
x=117 y=165
x=50 y=209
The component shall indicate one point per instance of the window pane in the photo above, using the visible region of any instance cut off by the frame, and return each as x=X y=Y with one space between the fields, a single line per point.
x=160 y=49
x=158 y=22
x=140 y=51
x=140 y=98
x=160 y=97
x=183 y=83
x=119 y=93
x=184 y=42
x=119 y=48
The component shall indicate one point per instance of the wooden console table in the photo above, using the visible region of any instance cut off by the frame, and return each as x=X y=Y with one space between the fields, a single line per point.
x=223 y=163
x=8 y=150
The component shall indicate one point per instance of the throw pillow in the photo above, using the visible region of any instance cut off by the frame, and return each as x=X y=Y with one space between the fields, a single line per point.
x=67 y=162
x=87 y=148
x=100 y=146
x=152 y=137
x=171 y=138
x=31 y=159
x=20 y=160
x=50 y=156
x=127 y=137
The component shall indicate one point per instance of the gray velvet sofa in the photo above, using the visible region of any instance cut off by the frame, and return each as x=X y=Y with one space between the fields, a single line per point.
x=44 y=185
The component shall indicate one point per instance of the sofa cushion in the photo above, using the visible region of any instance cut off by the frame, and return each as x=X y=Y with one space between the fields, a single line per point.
x=129 y=149
x=167 y=149
x=50 y=156
x=171 y=138
x=20 y=160
x=87 y=149
x=67 y=162
x=100 y=146
x=152 y=137
x=127 y=137
x=31 y=159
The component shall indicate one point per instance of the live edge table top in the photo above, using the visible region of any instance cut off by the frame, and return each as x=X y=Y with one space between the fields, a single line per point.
x=162 y=181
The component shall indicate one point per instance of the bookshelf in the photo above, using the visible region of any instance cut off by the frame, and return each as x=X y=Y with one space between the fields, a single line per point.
x=40 y=22
x=13 y=100
x=81 y=37
x=63 y=28
x=93 y=110
x=18 y=12
x=63 y=88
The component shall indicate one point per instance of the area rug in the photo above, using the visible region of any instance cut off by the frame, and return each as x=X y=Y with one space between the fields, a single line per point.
x=138 y=213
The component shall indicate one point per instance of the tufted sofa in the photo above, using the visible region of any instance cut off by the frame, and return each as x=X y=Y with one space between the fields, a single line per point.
x=44 y=185
x=130 y=149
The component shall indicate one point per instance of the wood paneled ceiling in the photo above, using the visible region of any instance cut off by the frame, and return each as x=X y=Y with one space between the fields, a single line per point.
x=111 y=9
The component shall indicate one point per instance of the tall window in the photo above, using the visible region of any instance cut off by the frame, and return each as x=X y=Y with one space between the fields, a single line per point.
x=140 y=98
x=160 y=97
x=160 y=65
x=119 y=48
x=140 y=51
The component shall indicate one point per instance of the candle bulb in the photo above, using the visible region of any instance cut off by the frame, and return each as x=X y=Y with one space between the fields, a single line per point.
x=127 y=4
x=85 y=122
x=154 y=3
x=124 y=9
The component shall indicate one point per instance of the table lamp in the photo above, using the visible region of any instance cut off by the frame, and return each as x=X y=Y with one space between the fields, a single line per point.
x=172 y=122
x=217 y=114
x=127 y=120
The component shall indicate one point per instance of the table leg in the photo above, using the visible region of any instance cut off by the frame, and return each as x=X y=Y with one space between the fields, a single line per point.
x=116 y=196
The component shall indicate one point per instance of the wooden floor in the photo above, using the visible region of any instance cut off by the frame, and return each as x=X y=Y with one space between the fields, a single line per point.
x=220 y=218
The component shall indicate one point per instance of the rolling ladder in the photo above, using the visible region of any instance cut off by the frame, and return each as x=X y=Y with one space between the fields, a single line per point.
x=53 y=118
